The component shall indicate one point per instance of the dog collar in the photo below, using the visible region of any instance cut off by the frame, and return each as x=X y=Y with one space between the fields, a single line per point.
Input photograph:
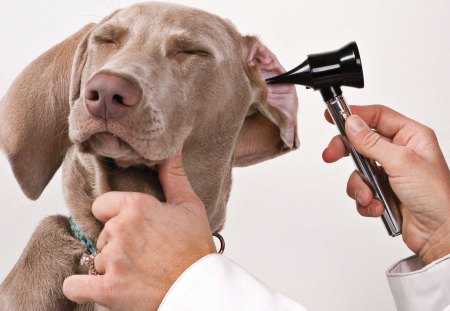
x=81 y=236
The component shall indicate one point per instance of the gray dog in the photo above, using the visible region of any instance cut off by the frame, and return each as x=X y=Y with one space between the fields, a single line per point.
x=119 y=97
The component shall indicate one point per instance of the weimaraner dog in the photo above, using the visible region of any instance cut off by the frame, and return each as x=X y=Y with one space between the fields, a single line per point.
x=117 y=98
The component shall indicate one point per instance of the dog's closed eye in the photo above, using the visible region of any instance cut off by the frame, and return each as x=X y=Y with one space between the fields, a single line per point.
x=184 y=55
x=103 y=39
x=198 y=52
x=182 y=48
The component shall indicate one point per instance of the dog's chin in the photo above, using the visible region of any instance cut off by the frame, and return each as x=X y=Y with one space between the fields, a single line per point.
x=113 y=147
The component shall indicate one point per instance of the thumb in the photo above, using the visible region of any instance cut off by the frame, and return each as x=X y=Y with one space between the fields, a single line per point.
x=84 y=288
x=176 y=186
x=371 y=144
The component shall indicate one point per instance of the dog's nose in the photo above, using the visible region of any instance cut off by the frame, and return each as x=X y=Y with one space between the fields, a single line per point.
x=111 y=97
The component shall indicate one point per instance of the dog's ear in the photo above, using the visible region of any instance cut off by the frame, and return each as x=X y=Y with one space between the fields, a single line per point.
x=33 y=116
x=270 y=128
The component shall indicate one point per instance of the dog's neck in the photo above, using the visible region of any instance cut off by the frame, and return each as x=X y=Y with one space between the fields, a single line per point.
x=88 y=176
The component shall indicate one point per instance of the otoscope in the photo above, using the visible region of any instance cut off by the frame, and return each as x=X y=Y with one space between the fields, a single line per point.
x=327 y=72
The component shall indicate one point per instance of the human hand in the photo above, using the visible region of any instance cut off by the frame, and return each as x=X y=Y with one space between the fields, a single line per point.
x=145 y=244
x=410 y=154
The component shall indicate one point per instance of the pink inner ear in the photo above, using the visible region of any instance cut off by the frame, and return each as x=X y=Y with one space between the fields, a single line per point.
x=268 y=63
x=284 y=99
x=281 y=97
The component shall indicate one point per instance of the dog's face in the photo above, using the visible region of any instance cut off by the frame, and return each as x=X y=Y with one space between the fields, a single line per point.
x=168 y=68
x=142 y=84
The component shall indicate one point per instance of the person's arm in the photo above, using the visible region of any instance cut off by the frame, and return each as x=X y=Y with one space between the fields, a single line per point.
x=149 y=248
x=420 y=177
x=217 y=283
x=417 y=287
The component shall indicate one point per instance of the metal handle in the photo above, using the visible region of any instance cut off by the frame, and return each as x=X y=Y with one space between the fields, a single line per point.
x=372 y=174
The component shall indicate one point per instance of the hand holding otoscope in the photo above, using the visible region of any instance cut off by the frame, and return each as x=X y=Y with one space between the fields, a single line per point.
x=418 y=172
x=327 y=72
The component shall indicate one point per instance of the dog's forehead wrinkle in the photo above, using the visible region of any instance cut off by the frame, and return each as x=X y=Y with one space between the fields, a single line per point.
x=110 y=29
x=155 y=23
x=173 y=37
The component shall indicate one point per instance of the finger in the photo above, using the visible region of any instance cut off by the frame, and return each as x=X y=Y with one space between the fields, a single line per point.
x=176 y=186
x=328 y=116
x=108 y=205
x=375 y=209
x=403 y=130
x=102 y=240
x=335 y=150
x=358 y=190
x=83 y=288
x=99 y=262
x=370 y=144
x=386 y=121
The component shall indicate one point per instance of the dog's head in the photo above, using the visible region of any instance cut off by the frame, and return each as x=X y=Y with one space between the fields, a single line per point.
x=145 y=82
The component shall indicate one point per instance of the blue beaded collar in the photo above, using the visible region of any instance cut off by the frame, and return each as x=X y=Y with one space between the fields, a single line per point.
x=81 y=236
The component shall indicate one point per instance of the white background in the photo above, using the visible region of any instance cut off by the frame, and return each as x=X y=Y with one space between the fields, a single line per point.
x=289 y=220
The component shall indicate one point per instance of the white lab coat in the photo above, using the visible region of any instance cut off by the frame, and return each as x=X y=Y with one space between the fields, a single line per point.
x=217 y=283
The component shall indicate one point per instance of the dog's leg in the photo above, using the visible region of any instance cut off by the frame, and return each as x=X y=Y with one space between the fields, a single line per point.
x=35 y=282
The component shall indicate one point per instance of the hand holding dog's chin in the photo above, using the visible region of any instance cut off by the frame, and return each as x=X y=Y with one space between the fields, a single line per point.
x=418 y=174
x=145 y=244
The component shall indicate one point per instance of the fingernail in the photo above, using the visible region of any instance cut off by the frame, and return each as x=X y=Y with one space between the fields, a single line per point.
x=372 y=209
x=356 y=124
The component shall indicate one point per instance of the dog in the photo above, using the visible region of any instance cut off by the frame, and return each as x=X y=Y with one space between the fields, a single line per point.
x=119 y=97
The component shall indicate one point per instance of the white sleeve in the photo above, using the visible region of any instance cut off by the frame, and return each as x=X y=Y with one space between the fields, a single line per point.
x=418 y=287
x=217 y=283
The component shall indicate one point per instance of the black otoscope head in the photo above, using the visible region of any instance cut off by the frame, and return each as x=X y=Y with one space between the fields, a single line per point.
x=327 y=71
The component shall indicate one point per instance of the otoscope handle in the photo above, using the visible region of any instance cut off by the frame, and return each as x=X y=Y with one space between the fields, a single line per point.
x=372 y=174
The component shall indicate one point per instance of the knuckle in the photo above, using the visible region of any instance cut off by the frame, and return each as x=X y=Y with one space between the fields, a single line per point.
x=197 y=204
x=132 y=199
x=104 y=254
x=196 y=209
x=121 y=263
x=371 y=140
x=407 y=155
x=384 y=108
x=379 y=107
x=139 y=201
x=113 y=227
x=137 y=210
x=141 y=205
x=379 y=111
x=114 y=259
x=428 y=133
